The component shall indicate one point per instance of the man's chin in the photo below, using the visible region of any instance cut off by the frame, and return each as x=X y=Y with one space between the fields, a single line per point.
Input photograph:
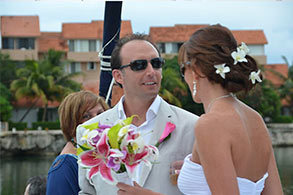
x=151 y=94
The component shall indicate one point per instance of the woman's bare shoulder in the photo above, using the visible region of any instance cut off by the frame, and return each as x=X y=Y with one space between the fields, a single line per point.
x=212 y=125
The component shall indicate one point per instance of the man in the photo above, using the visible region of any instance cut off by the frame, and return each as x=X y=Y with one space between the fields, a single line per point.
x=36 y=186
x=137 y=65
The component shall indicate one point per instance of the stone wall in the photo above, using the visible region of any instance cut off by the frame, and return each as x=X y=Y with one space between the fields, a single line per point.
x=31 y=142
x=51 y=142
x=281 y=134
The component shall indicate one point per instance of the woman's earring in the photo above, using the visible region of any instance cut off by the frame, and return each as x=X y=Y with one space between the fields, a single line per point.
x=194 y=88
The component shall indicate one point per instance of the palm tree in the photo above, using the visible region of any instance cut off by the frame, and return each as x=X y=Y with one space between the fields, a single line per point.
x=7 y=70
x=44 y=80
x=29 y=84
x=172 y=85
x=286 y=90
x=62 y=83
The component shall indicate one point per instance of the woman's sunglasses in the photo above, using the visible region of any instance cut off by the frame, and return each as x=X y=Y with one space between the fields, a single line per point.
x=138 y=65
x=183 y=66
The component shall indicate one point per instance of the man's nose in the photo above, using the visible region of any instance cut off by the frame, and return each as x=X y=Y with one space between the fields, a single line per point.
x=150 y=68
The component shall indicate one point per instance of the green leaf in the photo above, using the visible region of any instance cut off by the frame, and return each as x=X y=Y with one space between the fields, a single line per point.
x=82 y=148
x=113 y=132
x=91 y=126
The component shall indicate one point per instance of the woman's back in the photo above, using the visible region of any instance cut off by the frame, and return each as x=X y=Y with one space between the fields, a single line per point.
x=231 y=135
x=251 y=145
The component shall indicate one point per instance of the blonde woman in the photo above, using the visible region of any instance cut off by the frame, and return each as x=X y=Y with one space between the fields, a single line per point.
x=75 y=109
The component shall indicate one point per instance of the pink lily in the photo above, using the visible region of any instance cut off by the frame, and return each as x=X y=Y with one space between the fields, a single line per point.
x=132 y=160
x=98 y=159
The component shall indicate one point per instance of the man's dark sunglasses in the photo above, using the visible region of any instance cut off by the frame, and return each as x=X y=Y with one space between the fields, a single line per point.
x=182 y=67
x=137 y=65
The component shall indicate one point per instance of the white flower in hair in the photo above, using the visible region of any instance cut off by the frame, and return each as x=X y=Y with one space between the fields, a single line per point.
x=239 y=56
x=244 y=47
x=255 y=76
x=222 y=69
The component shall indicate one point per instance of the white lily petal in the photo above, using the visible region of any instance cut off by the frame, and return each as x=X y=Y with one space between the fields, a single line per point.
x=259 y=79
x=123 y=131
x=239 y=56
x=244 y=48
x=222 y=69
x=85 y=136
x=226 y=69
x=137 y=144
x=255 y=76
x=222 y=75
x=242 y=60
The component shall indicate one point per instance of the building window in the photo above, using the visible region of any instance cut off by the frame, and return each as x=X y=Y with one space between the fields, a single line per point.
x=8 y=43
x=82 y=45
x=91 y=66
x=162 y=47
x=18 y=43
x=174 y=48
x=71 y=45
x=25 y=43
x=75 y=67
x=92 y=45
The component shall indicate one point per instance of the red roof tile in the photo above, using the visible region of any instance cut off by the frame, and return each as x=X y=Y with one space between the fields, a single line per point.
x=93 y=30
x=11 y=25
x=181 y=33
x=177 y=33
x=250 y=37
x=52 y=40
x=280 y=68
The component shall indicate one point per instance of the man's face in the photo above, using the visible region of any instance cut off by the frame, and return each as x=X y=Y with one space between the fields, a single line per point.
x=145 y=83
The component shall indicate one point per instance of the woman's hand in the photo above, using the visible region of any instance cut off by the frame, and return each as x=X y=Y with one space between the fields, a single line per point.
x=125 y=189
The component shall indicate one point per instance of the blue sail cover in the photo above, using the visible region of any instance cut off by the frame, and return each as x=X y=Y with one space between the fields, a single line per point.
x=112 y=23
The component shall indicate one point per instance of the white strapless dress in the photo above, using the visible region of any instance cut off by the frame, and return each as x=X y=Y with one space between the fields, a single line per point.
x=192 y=181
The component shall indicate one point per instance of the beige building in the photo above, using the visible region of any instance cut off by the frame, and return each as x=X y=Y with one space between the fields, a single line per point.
x=169 y=39
x=20 y=37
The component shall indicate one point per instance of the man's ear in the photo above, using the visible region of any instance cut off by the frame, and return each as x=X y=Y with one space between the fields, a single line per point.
x=117 y=75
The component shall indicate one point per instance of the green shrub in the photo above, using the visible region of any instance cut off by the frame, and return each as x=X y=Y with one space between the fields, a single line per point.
x=17 y=125
x=46 y=124
x=283 y=119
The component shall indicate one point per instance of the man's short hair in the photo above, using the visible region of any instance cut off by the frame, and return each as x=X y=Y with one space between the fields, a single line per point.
x=37 y=185
x=115 y=57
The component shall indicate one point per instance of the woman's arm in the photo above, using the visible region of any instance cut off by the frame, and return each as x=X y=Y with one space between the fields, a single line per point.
x=213 y=148
x=273 y=184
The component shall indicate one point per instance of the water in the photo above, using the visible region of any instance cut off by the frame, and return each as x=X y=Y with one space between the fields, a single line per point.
x=16 y=170
x=284 y=158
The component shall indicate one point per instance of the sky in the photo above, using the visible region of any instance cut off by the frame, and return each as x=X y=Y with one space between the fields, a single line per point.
x=274 y=17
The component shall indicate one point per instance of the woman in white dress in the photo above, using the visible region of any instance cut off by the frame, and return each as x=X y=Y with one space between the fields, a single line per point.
x=232 y=151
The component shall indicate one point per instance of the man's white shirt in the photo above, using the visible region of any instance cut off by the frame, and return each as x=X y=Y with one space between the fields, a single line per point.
x=146 y=128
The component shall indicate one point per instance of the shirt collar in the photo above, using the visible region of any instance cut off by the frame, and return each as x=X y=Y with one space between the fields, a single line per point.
x=151 y=112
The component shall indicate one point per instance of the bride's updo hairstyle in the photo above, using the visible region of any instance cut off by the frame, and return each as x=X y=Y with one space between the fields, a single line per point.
x=213 y=45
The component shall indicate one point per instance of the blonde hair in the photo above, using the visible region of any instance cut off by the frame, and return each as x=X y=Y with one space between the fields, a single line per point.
x=72 y=109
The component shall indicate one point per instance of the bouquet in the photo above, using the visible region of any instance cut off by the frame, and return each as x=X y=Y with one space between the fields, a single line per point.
x=106 y=149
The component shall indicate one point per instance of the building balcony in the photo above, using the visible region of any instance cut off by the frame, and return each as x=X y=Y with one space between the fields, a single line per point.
x=83 y=56
x=21 y=54
x=260 y=59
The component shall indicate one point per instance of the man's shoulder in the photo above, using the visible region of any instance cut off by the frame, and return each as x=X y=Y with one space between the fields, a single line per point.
x=180 y=112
